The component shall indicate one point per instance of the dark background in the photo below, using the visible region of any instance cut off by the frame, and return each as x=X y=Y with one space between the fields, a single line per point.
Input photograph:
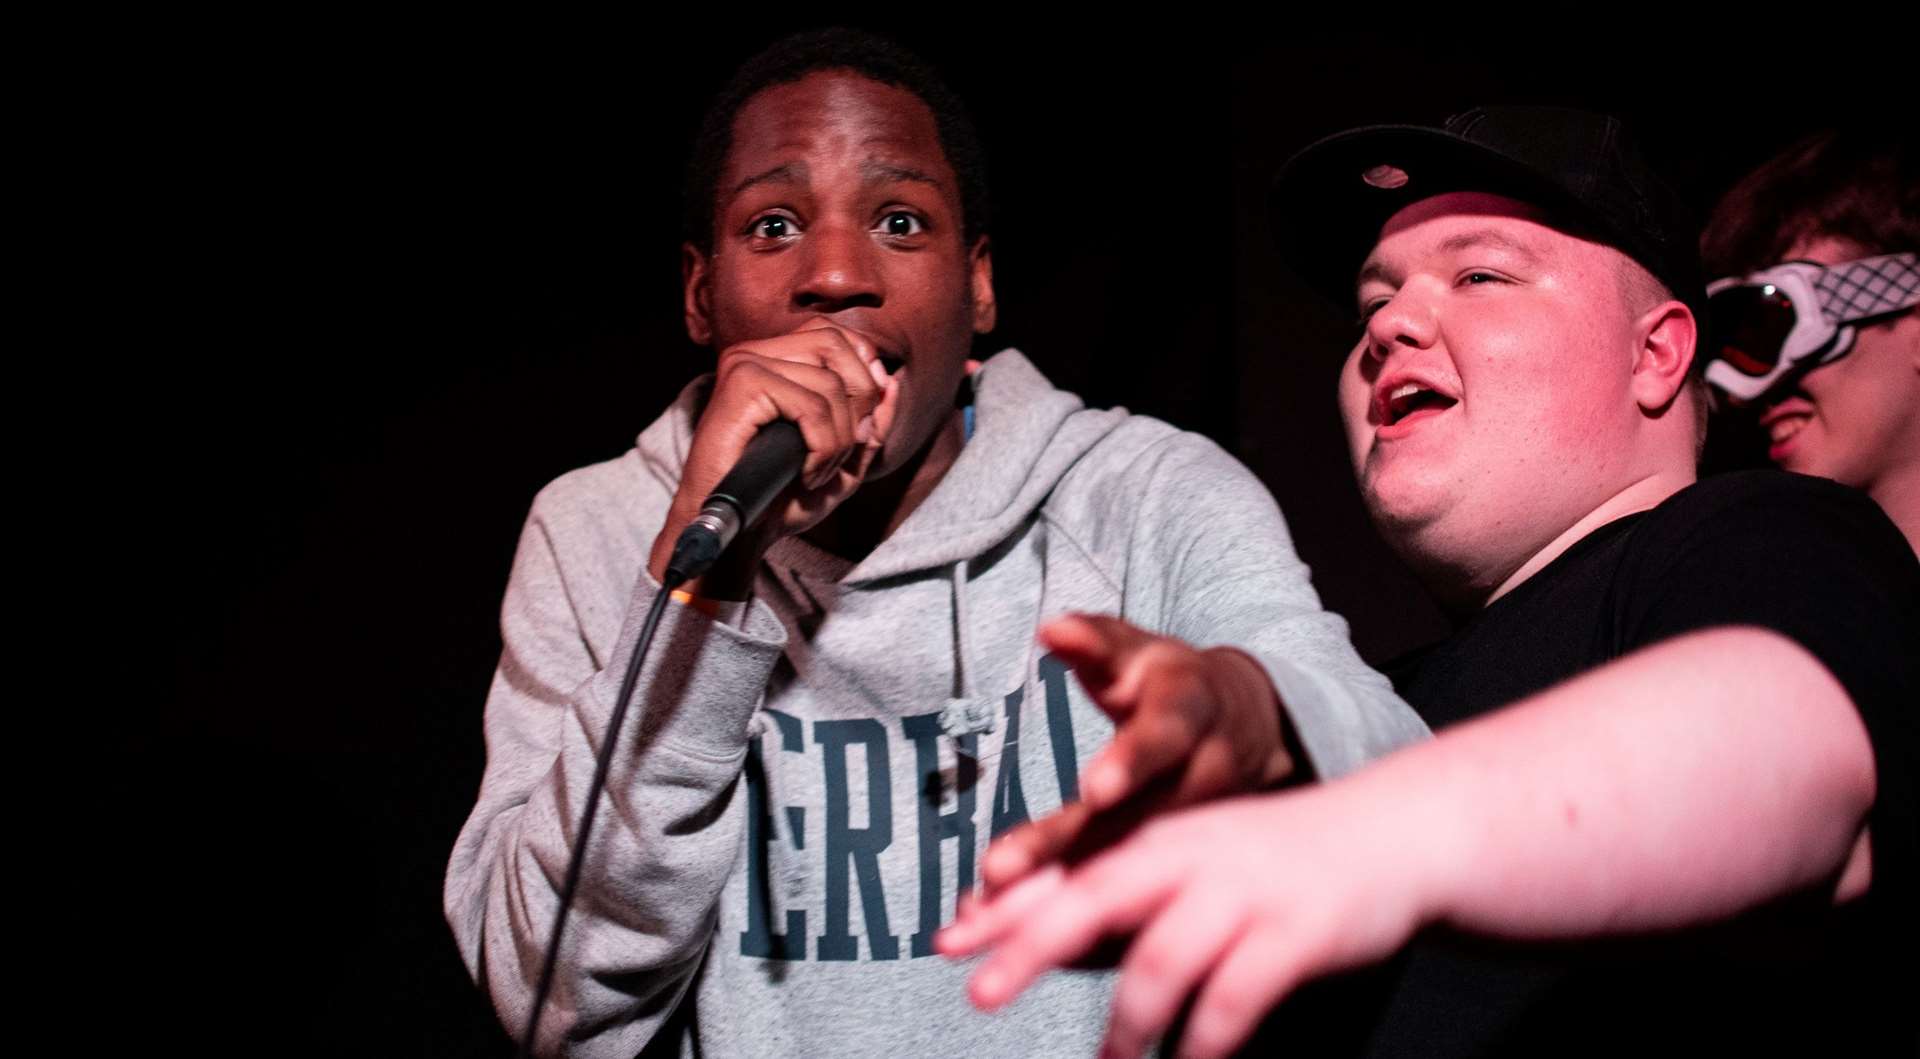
x=384 y=282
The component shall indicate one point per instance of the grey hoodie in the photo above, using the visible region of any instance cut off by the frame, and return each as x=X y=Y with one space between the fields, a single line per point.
x=804 y=791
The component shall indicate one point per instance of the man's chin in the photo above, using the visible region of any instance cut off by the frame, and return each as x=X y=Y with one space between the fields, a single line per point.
x=1402 y=501
x=894 y=452
x=1409 y=520
x=901 y=450
x=881 y=466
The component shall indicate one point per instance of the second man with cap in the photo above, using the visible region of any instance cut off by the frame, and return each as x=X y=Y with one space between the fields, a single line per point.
x=1674 y=715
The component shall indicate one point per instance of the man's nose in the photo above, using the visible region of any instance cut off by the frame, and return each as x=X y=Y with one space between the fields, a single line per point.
x=1409 y=319
x=839 y=271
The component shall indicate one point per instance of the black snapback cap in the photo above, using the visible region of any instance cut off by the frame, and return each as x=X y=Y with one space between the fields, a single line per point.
x=1330 y=201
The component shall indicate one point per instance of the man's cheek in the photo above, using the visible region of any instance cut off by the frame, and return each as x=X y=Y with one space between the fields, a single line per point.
x=1594 y=407
x=748 y=304
x=1357 y=444
x=1353 y=419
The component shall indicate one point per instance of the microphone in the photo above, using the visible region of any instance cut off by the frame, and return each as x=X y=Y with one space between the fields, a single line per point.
x=769 y=464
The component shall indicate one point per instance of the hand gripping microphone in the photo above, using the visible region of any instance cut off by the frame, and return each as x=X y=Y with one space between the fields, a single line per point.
x=769 y=464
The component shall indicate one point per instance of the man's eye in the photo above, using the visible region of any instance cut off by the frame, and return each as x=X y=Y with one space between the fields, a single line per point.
x=1480 y=276
x=1369 y=308
x=901 y=223
x=773 y=226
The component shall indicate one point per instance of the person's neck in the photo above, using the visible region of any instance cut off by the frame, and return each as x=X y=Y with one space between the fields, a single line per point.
x=1898 y=494
x=1643 y=494
x=1467 y=585
x=879 y=507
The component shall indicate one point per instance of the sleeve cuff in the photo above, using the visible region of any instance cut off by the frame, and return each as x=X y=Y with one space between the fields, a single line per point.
x=1335 y=731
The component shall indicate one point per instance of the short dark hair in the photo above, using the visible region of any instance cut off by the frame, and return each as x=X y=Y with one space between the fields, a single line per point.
x=1860 y=186
x=867 y=54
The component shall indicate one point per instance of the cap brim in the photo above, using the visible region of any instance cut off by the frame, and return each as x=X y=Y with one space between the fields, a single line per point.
x=1326 y=213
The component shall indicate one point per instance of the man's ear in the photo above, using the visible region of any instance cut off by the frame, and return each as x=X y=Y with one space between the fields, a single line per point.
x=697 y=290
x=986 y=312
x=1668 y=334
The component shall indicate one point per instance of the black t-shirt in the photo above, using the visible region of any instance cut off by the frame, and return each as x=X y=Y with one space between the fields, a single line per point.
x=1814 y=561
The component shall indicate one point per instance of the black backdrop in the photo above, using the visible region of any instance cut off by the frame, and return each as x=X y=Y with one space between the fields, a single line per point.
x=387 y=281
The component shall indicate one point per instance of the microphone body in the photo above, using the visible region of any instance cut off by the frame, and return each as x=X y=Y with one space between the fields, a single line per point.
x=770 y=462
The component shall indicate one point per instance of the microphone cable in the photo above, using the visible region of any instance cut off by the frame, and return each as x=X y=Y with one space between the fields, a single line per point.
x=576 y=861
x=770 y=461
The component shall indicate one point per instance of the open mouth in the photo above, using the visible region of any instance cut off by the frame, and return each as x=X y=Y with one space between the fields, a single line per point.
x=1409 y=400
x=890 y=363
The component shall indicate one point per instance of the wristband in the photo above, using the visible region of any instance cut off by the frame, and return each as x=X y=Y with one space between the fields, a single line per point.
x=709 y=607
x=725 y=611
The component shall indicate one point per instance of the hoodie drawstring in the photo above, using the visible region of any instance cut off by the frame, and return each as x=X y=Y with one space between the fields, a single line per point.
x=964 y=714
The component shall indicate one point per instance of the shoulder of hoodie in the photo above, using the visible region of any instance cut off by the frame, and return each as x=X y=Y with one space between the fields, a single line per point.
x=602 y=511
x=1149 y=477
x=611 y=506
x=1132 y=452
x=1141 y=449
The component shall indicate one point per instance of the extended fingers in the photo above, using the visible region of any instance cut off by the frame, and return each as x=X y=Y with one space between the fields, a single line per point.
x=1172 y=704
x=1259 y=969
x=1164 y=965
x=1177 y=727
x=1030 y=845
x=1158 y=736
x=1110 y=895
x=1097 y=648
x=981 y=921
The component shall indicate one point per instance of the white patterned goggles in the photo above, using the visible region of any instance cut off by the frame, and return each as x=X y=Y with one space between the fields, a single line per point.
x=1775 y=324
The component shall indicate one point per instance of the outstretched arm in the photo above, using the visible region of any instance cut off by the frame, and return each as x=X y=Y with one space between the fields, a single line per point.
x=1681 y=784
x=1244 y=680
